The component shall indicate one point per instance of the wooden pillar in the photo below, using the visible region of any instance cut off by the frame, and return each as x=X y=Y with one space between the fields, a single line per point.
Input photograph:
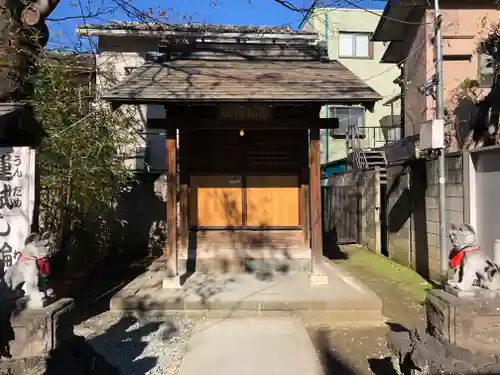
x=171 y=253
x=304 y=206
x=183 y=194
x=315 y=194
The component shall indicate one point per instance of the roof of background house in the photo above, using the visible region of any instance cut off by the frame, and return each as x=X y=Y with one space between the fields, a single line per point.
x=243 y=80
x=78 y=59
x=7 y=109
x=191 y=28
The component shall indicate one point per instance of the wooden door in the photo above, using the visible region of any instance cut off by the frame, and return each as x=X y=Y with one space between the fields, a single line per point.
x=216 y=201
x=272 y=201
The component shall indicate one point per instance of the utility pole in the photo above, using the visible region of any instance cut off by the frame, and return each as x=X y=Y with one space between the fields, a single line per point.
x=438 y=44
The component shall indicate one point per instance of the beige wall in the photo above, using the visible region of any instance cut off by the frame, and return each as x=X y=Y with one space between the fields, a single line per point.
x=415 y=73
x=378 y=75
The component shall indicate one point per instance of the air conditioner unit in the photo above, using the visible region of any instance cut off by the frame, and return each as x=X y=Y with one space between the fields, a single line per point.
x=432 y=135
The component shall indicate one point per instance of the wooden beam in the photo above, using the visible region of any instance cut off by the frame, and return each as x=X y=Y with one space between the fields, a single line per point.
x=171 y=253
x=315 y=194
x=306 y=123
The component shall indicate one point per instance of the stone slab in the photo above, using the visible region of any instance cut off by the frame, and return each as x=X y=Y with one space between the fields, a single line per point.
x=278 y=346
x=475 y=292
x=470 y=323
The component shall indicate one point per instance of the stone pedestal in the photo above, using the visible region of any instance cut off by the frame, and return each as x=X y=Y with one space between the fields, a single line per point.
x=462 y=336
x=39 y=332
x=471 y=323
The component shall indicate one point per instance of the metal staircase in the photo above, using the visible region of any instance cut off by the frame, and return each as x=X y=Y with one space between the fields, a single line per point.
x=361 y=159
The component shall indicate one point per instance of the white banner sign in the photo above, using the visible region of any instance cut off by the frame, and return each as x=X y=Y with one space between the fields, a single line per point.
x=17 y=196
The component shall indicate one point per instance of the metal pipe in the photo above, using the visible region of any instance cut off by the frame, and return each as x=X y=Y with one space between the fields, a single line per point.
x=438 y=42
x=327 y=107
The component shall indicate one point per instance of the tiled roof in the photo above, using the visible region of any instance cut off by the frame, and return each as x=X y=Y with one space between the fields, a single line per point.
x=215 y=80
x=209 y=28
x=7 y=109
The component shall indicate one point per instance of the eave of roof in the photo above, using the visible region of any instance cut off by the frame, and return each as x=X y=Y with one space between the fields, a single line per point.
x=390 y=27
x=394 y=53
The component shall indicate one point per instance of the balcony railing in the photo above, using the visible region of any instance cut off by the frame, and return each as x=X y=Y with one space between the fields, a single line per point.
x=372 y=137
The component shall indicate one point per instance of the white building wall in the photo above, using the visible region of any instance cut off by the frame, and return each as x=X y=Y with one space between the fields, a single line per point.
x=379 y=76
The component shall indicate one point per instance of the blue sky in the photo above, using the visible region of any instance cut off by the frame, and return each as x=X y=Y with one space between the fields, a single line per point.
x=235 y=12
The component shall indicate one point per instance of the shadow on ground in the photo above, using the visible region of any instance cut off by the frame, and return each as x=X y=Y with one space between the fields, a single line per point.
x=125 y=341
x=105 y=281
x=126 y=347
x=331 y=248
x=334 y=361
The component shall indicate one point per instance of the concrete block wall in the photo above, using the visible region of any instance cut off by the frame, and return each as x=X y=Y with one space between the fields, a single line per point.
x=412 y=212
x=398 y=214
x=454 y=207
x=370 y=211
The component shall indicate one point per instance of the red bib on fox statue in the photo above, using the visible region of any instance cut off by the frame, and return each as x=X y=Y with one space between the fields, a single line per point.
x=456 y=256
x=42 y=264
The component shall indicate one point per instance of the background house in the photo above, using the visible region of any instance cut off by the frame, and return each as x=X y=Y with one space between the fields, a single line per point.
x=347 y=33
x=409 y=30
x=407 y=229
x=122 y=47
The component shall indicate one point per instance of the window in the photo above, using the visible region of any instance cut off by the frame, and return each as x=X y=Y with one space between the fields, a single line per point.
x=355 y=45
x=348 y=116
x=485 y=70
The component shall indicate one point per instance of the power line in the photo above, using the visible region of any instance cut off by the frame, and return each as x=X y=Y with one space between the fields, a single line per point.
x=410 y=54
x=386 y=17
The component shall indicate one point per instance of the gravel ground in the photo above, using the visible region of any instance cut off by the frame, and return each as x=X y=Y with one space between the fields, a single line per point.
x=147 y=346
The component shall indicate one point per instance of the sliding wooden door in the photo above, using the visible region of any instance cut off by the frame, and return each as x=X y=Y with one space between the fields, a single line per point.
x=272 y=201
x=217 y=201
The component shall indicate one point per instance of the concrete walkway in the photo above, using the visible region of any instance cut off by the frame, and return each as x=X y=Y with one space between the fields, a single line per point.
x=255 y=346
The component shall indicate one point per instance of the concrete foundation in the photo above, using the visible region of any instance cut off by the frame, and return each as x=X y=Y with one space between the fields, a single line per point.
x=253 y=293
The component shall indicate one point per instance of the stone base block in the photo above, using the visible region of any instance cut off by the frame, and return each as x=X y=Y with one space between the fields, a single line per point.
x=318 y=279
x=38 y=332
x=172 y=282
x=32 y=365
x=471 y=323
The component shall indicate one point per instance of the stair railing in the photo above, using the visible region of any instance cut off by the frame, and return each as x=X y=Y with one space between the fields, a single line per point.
x=353 y=142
